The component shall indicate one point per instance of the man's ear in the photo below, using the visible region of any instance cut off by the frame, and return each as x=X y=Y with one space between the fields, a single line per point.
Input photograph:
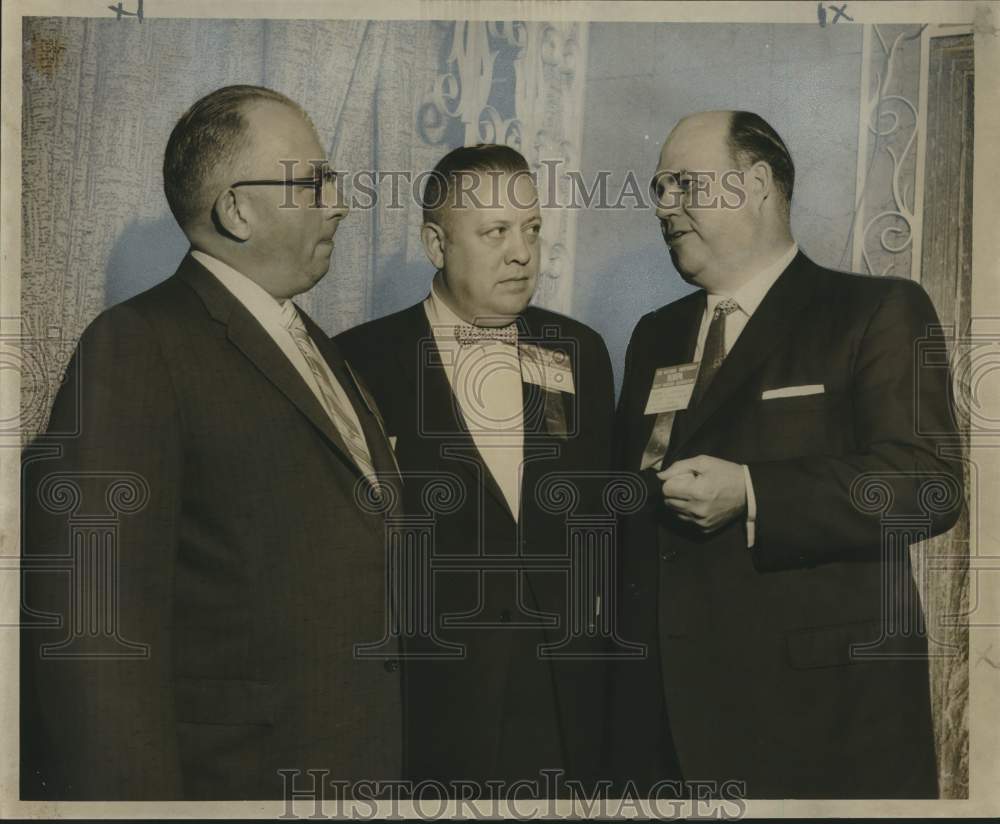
x=230 y=217
x=760 y=182
x=433 y=237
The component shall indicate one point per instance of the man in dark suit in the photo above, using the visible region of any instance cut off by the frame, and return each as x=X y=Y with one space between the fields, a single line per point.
x=510 y=407
x=782 y=415
x=240 y=466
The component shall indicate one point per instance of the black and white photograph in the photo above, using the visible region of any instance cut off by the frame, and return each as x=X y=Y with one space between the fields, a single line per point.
x=540 y=410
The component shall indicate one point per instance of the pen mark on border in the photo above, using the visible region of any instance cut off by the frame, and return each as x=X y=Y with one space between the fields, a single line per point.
x=120 y=12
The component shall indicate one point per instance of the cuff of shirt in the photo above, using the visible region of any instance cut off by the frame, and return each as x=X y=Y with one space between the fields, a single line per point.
x=751 y=508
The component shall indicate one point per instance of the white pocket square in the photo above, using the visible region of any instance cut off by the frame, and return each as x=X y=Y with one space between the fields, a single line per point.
x=793 y=391
x=392 y=442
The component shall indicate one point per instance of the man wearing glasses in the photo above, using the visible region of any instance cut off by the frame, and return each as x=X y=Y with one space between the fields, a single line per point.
x=250 y=561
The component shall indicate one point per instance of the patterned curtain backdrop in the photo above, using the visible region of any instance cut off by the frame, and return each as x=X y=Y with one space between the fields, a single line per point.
x=100 y=98
x=914 y=209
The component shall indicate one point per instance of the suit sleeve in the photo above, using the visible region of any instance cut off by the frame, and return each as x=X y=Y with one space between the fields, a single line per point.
x=821 y=508
x=103 y=716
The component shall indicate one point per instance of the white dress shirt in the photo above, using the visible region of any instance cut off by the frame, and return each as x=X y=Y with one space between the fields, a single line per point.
x=748 y=297
x=266 y=310
x=486 y=380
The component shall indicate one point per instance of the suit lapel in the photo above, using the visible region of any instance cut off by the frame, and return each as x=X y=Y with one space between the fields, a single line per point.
x=533 y=406
x=343 y=372
x=247 y=335
x=541 y=444
x=437 y=407
x=534 y=416
x=765 y=330
x=676 y=340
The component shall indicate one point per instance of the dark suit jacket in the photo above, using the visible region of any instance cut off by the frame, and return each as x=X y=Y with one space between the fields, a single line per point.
x=250 y=571
x=500 y=712
x=755 y=644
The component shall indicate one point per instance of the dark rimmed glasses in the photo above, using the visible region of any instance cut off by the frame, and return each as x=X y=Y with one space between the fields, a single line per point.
x=323 y=178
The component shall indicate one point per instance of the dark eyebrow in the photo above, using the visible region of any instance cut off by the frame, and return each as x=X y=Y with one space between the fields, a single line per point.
x=493 y=224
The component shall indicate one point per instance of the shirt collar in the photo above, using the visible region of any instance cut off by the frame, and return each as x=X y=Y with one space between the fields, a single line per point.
x=442 y=317
x=440 y=314
x=258 y=301
x=751 y=293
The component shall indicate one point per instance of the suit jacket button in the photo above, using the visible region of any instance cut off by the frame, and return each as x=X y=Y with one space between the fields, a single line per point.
x=391 y=665
x=505 y=616
x=668 y=555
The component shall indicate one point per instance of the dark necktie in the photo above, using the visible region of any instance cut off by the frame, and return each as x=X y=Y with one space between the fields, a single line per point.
x=714 y=352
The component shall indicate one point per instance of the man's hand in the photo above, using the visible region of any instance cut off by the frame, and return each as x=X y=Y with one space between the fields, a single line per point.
x=705 y=491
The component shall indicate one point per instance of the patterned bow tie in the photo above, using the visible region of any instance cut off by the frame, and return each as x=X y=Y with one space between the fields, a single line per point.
x=467 y=335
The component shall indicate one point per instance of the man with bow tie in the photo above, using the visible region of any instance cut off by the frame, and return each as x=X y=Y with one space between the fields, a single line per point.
x=780 y=414
x=498 y=399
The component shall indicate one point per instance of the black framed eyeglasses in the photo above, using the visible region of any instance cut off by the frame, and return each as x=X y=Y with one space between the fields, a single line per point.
x=324 y=178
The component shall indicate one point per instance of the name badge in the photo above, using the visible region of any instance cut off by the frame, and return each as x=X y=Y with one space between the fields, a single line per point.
x=672 y=388
x=548 y=368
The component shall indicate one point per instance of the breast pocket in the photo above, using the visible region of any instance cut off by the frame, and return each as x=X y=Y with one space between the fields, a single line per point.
x=790 y=427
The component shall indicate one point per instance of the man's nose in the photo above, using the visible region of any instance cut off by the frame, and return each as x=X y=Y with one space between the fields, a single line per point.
x=518 y=249
x=333 y=199
x=668 y=201
x=335 y=208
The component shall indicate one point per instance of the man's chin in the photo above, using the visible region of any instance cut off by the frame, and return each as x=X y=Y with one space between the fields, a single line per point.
x=515 y=308
x=316 y=275
x=501 y=314
x=685 y=272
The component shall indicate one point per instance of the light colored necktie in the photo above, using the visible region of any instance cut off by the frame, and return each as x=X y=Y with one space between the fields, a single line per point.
x=468 y=335
x=333 y=403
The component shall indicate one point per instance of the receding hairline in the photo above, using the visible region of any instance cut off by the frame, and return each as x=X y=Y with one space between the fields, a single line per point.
x=251 y=107
x=249 y=142
x=721 y=117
